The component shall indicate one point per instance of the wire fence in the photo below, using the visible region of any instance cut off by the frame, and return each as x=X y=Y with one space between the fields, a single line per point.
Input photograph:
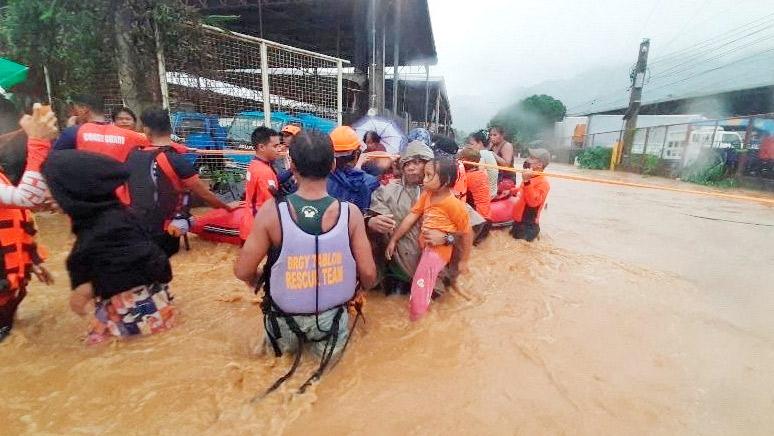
x=226 y=84
x=743 y=146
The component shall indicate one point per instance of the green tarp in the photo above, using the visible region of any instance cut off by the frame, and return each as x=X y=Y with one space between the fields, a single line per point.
x=11 y=73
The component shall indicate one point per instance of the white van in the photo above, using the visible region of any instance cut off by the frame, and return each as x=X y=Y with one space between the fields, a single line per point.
x=709 y=137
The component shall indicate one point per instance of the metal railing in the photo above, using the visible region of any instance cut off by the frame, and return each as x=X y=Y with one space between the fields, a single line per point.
x=746 y=145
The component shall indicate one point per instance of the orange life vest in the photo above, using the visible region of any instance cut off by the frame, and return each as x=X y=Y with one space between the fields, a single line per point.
x=19 y=251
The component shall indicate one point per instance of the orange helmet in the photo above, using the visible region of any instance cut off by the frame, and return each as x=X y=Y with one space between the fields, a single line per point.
x=345 y=140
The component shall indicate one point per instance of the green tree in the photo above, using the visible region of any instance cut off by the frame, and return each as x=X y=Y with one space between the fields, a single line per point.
x=87 y=44
x=525 y=120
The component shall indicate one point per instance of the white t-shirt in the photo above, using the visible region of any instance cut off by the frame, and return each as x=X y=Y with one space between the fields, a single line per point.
x=488 y=157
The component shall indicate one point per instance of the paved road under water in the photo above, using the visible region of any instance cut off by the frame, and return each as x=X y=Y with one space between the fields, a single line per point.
x=631 y=315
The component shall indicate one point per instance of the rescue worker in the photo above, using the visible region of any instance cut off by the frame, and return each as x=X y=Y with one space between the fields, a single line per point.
x=159 y=180
x=478 y=142
x=346 y=182
x=95 y=134
x=262 y=183
x=305 y=299
x=531 y=197
x=21 y=256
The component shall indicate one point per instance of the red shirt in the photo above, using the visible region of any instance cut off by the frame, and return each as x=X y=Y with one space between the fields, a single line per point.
x=261 y=185
x=478 y=193
x=107 y=139
x=530 y=200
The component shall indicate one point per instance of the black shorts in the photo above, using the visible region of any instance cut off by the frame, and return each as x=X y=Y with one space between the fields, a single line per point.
x=526 y=231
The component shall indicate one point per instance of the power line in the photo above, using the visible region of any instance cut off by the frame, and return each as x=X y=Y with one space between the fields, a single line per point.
x=676 y=71
x=762 y=21
x=699 y=49
x=736 y=61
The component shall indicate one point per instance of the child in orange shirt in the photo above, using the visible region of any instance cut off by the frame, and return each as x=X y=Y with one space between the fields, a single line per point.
x=440 y=210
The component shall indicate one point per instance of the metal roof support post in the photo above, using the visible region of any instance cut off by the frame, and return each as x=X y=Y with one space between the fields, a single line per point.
x=376 y=74
x=396 y=57
x=339 y=94
x=437 y=116
x=265 y=91
x=427 y=92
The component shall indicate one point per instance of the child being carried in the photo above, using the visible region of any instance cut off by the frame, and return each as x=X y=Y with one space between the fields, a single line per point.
x=440 y=210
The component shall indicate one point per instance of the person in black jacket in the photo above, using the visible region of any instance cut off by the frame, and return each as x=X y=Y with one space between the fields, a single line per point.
x=114 y=264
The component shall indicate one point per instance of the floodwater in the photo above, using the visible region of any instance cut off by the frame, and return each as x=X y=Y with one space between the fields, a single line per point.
x=634 y=314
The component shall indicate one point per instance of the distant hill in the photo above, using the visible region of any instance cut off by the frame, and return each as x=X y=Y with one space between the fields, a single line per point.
x=606 y=88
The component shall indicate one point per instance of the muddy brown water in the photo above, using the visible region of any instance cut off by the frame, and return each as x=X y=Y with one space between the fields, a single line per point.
x=631 y=315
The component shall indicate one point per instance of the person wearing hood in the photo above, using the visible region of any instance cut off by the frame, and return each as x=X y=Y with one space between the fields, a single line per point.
x=390 y=204
x=421 y=135
x=114 y=265
x=346 y=182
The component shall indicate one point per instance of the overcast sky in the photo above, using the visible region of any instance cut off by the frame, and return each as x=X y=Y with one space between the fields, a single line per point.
x=488 y=49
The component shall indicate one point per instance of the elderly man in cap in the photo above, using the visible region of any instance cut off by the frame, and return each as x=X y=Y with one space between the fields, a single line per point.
x=532 y=196
x=389 y=205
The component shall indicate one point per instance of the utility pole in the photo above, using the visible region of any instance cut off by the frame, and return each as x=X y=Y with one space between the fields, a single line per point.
x=635 y=99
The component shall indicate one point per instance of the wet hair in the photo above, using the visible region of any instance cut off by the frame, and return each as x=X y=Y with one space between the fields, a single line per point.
x=497 y=128
x=373 y=135
x=117 y=111
x=91 y=101
x=479 y=136
x=470 y=154
x=262 y=134
x=157 y=120
x=446 y=169
x=13 y=155
x=312 y=154
x=444 y=144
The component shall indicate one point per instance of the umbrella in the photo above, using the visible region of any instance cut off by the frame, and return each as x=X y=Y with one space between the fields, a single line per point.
x=11 y=74
x=392 y=136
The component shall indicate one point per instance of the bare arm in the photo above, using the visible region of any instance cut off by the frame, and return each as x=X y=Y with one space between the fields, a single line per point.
x=466 y=247
x=361 y=248
x=257 y=245
x=405 y=226
x=40 y=128
x=504 y=156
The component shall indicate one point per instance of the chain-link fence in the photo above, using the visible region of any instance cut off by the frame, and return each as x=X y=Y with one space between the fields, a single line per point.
x=223 y=85
x=737 y=147
x=230 y=83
